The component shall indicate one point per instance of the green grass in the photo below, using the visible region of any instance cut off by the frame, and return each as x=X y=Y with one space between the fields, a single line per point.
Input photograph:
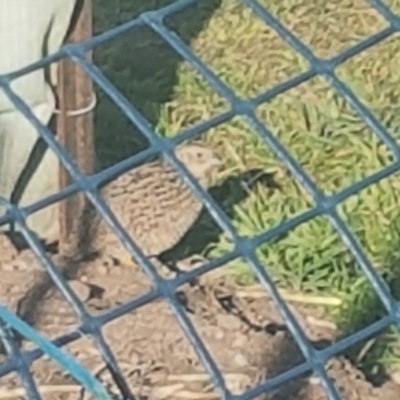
x=320 y=129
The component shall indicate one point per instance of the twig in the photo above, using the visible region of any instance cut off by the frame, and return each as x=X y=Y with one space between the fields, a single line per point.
x=255 y=292
x=365 y=349
x=43 y=389
x=202 y=377
x=186 y=394
x=321 y=323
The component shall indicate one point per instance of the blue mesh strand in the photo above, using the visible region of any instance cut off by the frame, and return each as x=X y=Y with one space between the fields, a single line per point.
x=63 y=359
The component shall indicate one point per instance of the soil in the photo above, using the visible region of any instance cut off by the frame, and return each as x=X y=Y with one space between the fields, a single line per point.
x=244 y=334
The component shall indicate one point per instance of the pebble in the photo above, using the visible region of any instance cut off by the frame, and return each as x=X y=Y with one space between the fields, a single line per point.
x=8 y=267
x=314 y=380
x=219 y=334
x=81 y=290
x=240 y=360
x=102 y=269
x=229 y=322
x=134 y=358
x=239 y=342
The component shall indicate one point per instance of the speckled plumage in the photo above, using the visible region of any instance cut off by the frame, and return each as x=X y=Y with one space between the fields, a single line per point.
x=151 y=202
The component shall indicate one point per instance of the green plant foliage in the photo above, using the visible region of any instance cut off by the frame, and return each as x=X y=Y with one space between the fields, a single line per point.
x=324 y=134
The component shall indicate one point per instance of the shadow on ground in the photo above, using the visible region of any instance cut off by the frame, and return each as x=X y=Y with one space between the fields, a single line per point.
x=231 y=192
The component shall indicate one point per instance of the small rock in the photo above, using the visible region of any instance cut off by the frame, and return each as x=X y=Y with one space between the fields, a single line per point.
x=8 y=267
x=229 y=322
x=134 y=358
x=80 y=289
x=239 y=342
x=102 y=269
x=314 y=380
x=219 y=334
x=240 y=360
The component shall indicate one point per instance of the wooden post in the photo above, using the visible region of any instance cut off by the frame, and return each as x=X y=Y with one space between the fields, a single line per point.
x=75 y=132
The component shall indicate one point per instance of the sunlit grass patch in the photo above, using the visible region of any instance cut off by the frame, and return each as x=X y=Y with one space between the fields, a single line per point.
x=317 y=126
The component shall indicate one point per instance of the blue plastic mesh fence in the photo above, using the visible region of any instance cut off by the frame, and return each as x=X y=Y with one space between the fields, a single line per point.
x=325 y=205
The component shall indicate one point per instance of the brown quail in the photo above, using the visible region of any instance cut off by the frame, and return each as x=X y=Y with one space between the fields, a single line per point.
x=152 y=203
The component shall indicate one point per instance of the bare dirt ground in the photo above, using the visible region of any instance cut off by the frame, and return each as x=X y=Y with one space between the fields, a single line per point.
x=245 y=336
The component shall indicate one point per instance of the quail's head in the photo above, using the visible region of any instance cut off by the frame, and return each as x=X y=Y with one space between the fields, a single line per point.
x=201 y=161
